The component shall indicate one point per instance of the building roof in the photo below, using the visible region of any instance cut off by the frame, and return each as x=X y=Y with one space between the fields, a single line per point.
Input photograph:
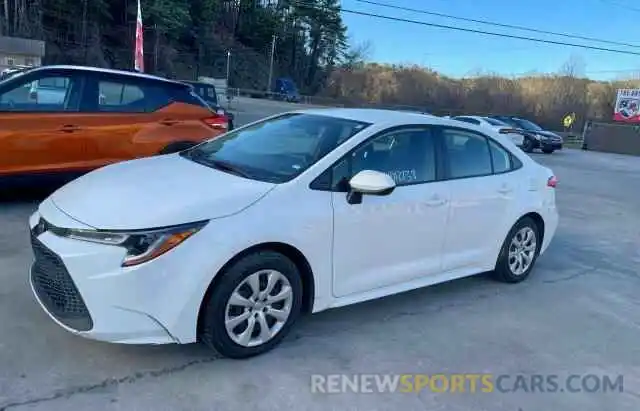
x=17 y=45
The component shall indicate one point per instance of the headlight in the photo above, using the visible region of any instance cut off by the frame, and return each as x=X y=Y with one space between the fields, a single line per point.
x=141 y=246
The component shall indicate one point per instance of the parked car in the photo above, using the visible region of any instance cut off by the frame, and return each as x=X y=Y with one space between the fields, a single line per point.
x=207 y=92
x=229 y=242
x=285 y=89
x=11 y=71
x=83 y=118
x=538 y=138
x=49 y=90
x=498 y=126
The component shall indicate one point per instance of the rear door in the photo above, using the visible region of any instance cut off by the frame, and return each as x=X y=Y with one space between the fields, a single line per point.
x=41 y=135
x=483 y=192
x=132 y=117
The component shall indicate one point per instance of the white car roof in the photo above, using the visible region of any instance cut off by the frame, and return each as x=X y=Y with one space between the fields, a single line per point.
x=381 y=116
x=391 y=118
x=481 y=118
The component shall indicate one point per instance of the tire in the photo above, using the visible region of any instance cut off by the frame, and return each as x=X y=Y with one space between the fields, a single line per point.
x=505 y=271
x=547 y=150
x=213 y=330
x=231 y=126
x=527 y=145
x=176 y=147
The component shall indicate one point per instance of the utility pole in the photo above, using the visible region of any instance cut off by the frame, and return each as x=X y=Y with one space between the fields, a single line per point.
x=228 y=65
x=156 y=46
x=273 y=52
x=226 y=92
x=85 y=46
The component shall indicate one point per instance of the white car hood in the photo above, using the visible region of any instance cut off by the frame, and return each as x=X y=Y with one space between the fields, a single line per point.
x=155 y=192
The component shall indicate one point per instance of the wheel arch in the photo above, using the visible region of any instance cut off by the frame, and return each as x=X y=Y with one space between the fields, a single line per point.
x=537 y=218
x=289 y=251
x=539 y=221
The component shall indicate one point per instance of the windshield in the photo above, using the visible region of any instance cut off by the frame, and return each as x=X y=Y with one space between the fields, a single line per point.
x=495 y=122
x=277 y=149
x=527 y=125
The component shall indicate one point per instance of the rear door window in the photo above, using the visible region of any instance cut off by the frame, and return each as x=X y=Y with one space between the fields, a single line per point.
x=131 y=97
x=468 y=154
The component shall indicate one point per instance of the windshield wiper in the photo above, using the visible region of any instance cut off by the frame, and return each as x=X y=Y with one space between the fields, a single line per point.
x=228 y=167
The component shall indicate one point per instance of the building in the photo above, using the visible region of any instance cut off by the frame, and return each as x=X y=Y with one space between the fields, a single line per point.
x=19 y=52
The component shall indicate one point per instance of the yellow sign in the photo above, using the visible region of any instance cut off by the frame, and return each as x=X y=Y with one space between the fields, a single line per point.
x=568 y=120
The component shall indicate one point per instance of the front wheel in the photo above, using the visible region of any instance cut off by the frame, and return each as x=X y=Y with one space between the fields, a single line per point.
x=528 y=145
x=547 y=150
x=519 y=252
x=253 y=306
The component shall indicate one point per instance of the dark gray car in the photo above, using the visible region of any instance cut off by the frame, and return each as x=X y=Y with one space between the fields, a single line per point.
x=535 y=136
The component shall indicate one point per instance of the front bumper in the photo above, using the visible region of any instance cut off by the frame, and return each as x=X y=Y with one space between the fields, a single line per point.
x=551 y=145
x=548 y=144
x=84 y=289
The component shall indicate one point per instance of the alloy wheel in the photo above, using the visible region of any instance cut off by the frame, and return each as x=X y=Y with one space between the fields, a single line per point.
x=522 y=250
x=258 y=308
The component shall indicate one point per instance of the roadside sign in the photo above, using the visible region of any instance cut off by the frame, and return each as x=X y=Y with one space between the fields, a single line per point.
x=627 y=106
x=568 y=120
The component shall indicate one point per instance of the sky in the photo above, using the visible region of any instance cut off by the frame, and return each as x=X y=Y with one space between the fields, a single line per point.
x=460 y=54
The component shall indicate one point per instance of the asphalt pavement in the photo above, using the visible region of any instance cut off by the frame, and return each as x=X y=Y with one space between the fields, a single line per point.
x=577 y=314
x=247 y=110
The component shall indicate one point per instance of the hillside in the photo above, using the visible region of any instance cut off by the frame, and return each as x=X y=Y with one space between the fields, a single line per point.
x=188 y=38
x=546 y=98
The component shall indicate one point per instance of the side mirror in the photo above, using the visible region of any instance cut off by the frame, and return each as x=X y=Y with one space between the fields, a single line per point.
x=369 y=182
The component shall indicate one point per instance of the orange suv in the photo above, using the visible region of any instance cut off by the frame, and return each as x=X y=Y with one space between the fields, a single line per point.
x=58 y=120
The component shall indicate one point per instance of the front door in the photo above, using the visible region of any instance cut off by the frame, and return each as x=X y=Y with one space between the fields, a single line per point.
x=39 y=130
x=392 y=239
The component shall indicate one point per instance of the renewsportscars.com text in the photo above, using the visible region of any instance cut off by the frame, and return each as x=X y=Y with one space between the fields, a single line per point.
x=466 y=383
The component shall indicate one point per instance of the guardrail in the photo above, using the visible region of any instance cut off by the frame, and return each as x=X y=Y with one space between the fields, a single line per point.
x=233 y=92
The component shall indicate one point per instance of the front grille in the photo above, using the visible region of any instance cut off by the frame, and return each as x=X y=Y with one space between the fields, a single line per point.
x=56 y=290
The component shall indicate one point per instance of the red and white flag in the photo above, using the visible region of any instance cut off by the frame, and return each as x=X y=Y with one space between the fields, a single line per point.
x=138 y=59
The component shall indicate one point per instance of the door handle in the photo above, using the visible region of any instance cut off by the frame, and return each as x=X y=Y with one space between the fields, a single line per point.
x=435 y=201
x=168 y=122
x=505 y=190
x=69 y=128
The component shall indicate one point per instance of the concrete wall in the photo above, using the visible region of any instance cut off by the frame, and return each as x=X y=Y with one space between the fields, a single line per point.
x=613 y=138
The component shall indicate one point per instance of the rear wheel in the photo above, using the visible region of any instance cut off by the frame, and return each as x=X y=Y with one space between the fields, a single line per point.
x=547 y=150
x=519 y=252
x=253 y=306
x=176 y=147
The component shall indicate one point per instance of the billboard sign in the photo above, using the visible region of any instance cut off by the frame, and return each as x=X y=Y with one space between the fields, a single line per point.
x=627 y=106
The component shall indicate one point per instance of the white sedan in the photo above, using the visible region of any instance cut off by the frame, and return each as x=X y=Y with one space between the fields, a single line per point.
x=499 y=126
x=229 y=242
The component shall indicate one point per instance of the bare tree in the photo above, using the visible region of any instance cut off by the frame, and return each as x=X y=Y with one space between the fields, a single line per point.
x=573 y=67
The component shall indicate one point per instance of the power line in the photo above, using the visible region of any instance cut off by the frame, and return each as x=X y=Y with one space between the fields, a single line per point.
x=621 y=5
x=509 y=26
x=487 y=33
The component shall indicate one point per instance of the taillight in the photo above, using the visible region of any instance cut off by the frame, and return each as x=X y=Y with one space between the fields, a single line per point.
x=552 y=182
x=217 y=122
